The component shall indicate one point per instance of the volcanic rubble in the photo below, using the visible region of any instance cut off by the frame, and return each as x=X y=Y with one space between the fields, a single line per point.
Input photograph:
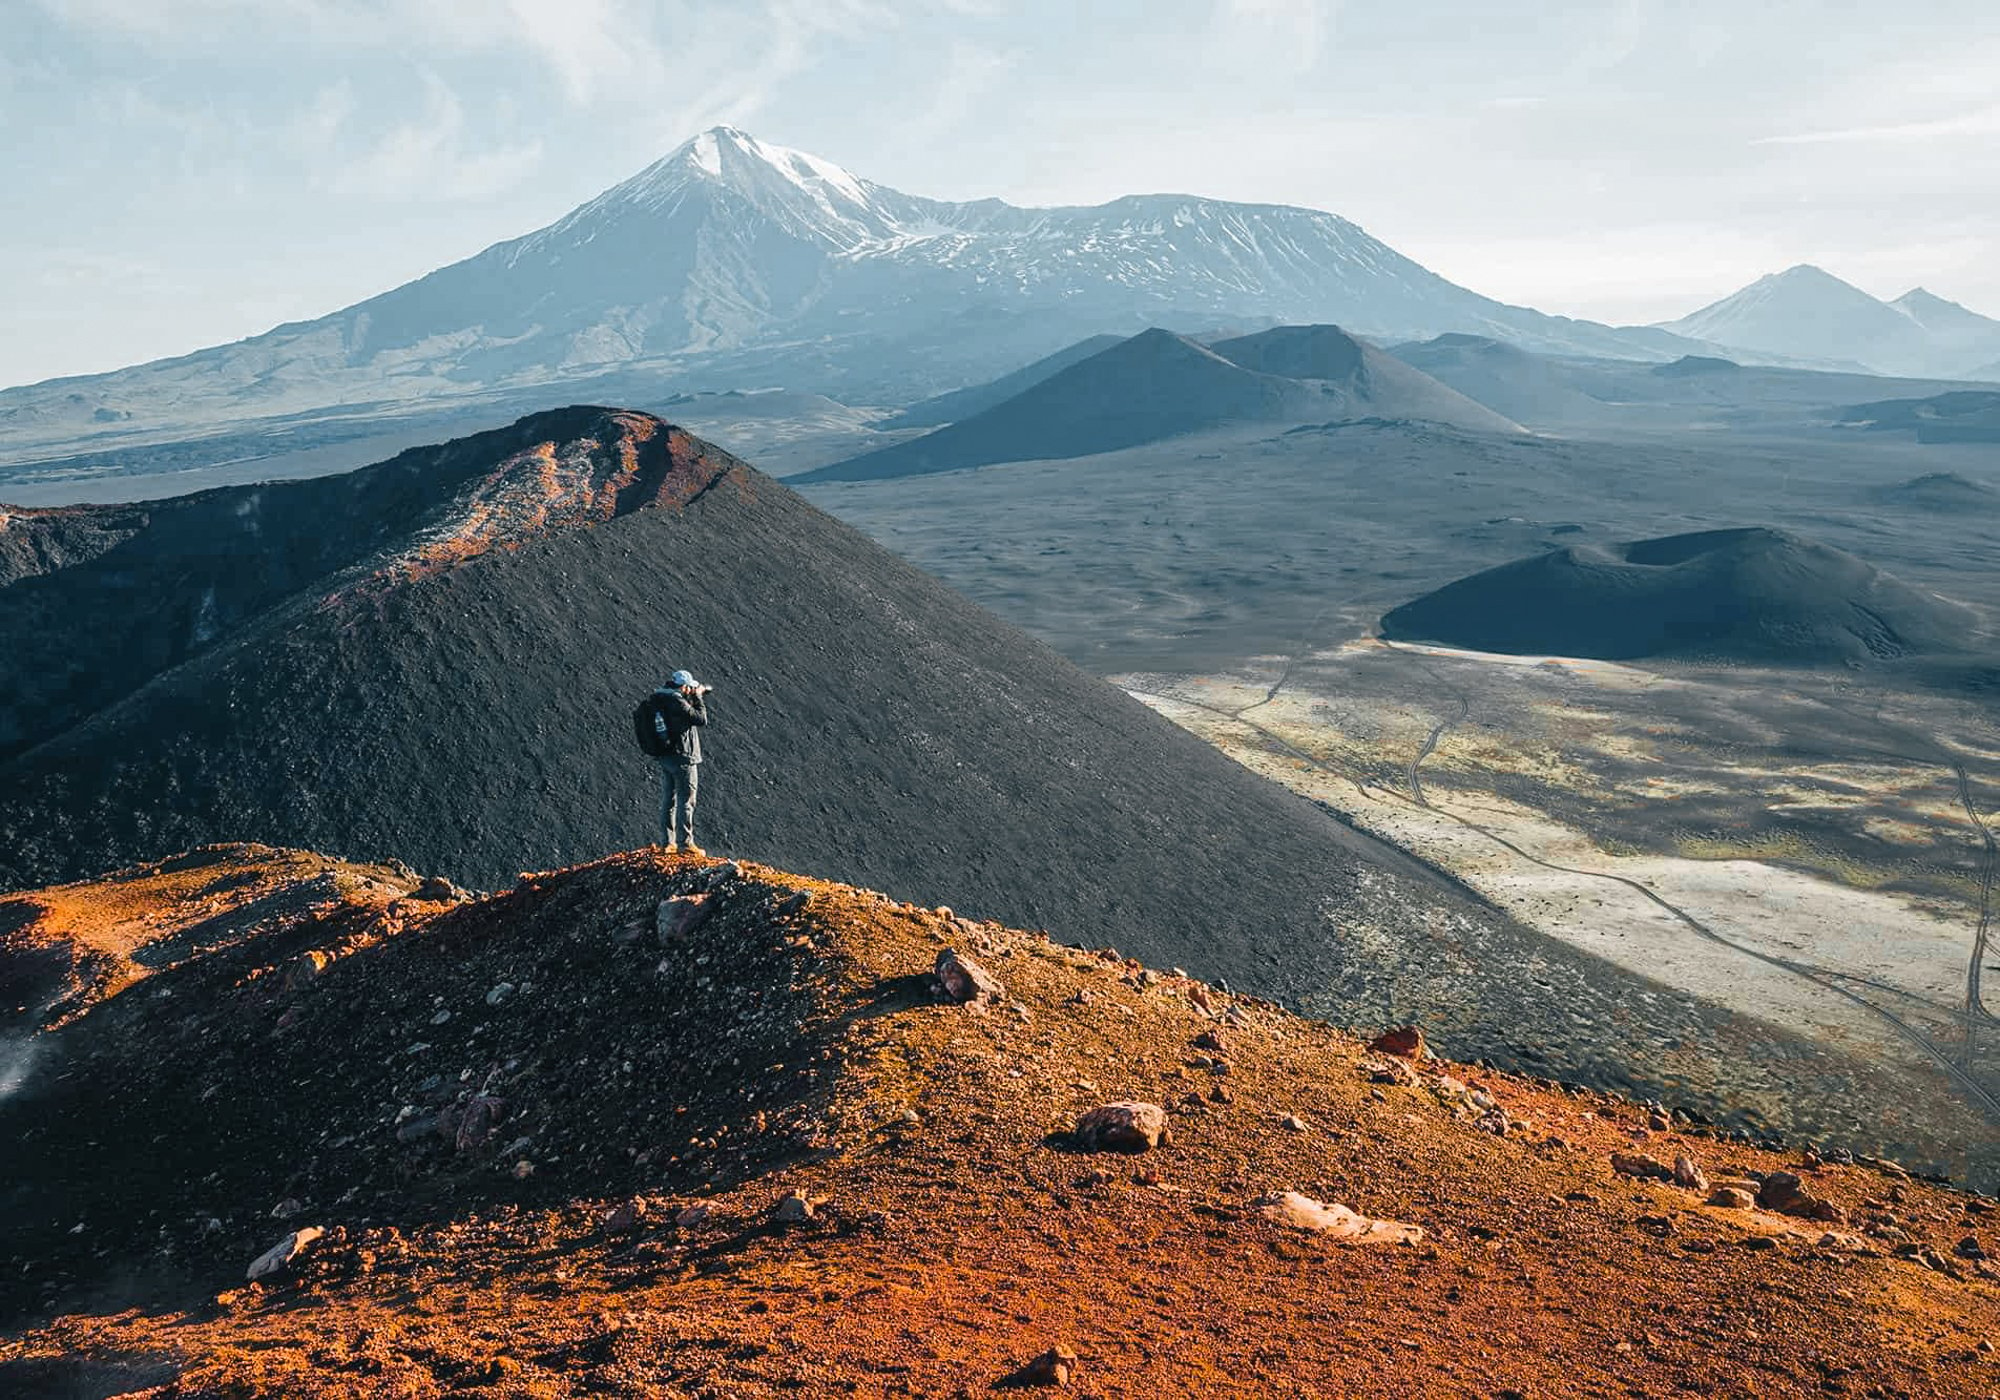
x=665 y=1125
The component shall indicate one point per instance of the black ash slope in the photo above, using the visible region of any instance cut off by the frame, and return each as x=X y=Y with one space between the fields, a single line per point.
x=1160 y=385
x=470 y=718
x=1362 y=381
x=960 y=404
x=1755 y=595
x=1153 y=386
x=1532 y=389
x=97 y=600
x=464 y=709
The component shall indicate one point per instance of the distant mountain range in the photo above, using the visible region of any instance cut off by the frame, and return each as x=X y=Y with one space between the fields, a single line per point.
x=734 y=263
x=1809 y=314
x=1157 y=385
x=1563 y=394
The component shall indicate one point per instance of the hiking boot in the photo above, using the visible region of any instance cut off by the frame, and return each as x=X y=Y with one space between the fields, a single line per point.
x=692 y=850
x=670 y=848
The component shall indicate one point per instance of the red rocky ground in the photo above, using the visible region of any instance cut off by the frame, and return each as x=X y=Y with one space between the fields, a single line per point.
x=551 y=1149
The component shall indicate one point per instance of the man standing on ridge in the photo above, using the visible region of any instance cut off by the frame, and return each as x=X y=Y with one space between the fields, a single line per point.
x=677 y=713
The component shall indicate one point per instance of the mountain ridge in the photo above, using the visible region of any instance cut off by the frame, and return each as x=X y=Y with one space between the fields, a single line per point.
x=733 y=262
x=1809 y=313
x=1158 y=385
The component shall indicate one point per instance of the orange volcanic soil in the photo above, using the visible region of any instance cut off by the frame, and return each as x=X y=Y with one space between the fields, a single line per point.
x=548 y=1146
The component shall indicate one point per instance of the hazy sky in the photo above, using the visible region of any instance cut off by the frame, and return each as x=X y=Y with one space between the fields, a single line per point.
x=184 y=172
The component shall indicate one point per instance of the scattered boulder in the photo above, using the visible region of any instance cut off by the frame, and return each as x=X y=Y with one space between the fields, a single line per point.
x=1122 y=1127
x=624 y=1215
x=305 y=969
x=1407 y=1041
x=692 y=1216
x=1731 y=1198
x=1388 y=1072
x=1688 y=1174
x=417 y=1127
x=793 y=1209
x=1786 y=1194
x=1292 y=1123
x=1333 y=1220
x=280 y=1255
x=1053 y=1367
x=1928 y=1257
x=499 y=992
x=470 y=1123
x=682 y=915
x=1642 y=1166
x=964 y=981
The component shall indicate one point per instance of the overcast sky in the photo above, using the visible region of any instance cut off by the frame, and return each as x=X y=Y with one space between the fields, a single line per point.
x=184 y=172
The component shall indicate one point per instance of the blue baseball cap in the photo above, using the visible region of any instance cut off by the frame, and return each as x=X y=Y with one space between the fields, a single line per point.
x=680 y=678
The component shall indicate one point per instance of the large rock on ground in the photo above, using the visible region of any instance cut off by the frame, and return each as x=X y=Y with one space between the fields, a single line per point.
x=1122 y=1127
x=1333 y=1220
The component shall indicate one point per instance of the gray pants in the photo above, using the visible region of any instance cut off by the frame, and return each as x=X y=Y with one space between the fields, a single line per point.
x=678 y=785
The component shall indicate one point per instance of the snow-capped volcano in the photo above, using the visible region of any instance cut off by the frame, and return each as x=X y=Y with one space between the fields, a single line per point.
x=808 y=197
x=733 y=260
x=1808 y=313
x=730 y=241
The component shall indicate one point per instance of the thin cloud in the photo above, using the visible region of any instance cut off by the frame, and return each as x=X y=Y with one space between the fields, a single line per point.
x=428 y=157
x=1283 y=35
x=1984 y=121
x=595 y=48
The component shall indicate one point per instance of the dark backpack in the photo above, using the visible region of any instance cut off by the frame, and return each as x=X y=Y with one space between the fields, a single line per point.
x=645 y=731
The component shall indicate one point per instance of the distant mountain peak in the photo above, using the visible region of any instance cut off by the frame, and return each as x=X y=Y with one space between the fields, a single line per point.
x=1805 y=272
x=1811 y=280
x=1807 y=312
x=1159 y=384
x=1922 y=296
x=1947 y=318
x=809 y=196
x=721 y=150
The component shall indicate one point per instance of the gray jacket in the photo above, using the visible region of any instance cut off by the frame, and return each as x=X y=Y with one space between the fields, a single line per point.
x=678 y=720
